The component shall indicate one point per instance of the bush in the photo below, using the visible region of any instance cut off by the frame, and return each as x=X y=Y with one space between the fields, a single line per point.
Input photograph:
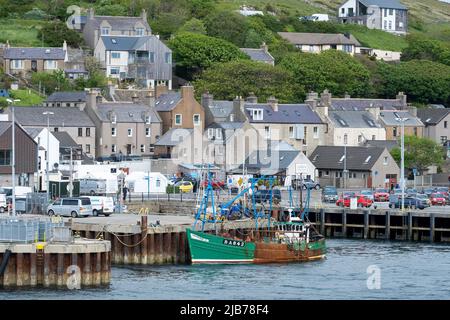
x=170 y=189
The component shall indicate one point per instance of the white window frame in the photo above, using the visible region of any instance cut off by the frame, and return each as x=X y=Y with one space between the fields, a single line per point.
x=113 y=148
x=291 y=133
x=114 y=74
x=196 y=123
x=267 y=133
x=257 y=114
x=113 y=132
x=114 y=119
x=140 y=31
x=16 y=64
x=105 y=31
x=168 y=57
x=316 y=132
x=118 y=55
x=129 y=132
x=218 y=133
x=179 y=123
x=210 y=133
x=385 y=161
x=148 y=132
x=148 y=119
x=50 y=65
x=142 y=148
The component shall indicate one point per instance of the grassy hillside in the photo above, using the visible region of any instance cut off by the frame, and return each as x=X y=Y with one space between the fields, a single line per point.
x=20 y=32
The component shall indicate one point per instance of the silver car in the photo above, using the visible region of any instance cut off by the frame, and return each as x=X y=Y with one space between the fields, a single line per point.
x=72 y=207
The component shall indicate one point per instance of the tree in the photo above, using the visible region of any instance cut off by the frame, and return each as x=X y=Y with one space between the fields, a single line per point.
x=240 y=78
x=423 y=81
x=193 y=26
x=54 y=34
x=96 y=77
x=420 y=153
x=51 y=82
x=227 y=25
x=196 y=52
x=168 y=23
x=422 y=48
x=334 y=70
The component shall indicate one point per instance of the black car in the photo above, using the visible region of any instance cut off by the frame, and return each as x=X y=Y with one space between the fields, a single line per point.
x=264 y=196
x=410 y=202
x=329 y=194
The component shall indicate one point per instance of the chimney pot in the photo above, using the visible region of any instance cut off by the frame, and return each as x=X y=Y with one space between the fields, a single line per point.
x=273 y=102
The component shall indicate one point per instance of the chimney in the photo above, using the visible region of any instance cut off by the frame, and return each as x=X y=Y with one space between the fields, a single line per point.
x=265 y=47
x=65 y=45
x=252 y=98
x=273 y=102
x=144 y=15
x=91 y=13
x=187 y=91
x=238 y=108
x=92 y=99
x=311 y=99
x=149 y=99
x=207 y=99
x=7 y=44
x=160 y=90
x=135 y=98
x=413 y=110
x=347 y=96
x=375 y=111
x=325 y=98
x=401 y=97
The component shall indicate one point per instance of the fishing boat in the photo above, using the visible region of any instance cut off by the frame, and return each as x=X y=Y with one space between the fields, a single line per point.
x=279 y=242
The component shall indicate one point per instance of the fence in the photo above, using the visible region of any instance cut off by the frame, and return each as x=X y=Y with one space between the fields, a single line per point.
x=36 y=203
x=28 y=229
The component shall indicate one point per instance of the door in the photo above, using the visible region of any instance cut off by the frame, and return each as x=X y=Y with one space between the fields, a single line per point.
x=34 y=65
x=128 y=149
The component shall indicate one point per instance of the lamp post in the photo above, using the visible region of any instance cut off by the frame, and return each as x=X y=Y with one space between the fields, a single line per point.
x=48 y=114
x=345 y=161
x=402 y=152
x=13 y=156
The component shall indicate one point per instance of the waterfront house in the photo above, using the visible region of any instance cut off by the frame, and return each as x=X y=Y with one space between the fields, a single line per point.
x=318 y=42
x=366 y=167
x=387 y=15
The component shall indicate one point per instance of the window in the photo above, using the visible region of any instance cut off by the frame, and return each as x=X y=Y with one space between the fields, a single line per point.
x=326 y=173
x=151 y=148
x=130 y=132
x=210 y=133
x=350 y=12
x=88 y=148
x=50 y=64
x=390 y=25
x=343 y=10
x=391 y=12
x=67 y=104
x=151 y=57
x=147 y=132
x=113 y=148
x=5 y=157
x=347 y=48
x=142 y=147
x=16 y=64
x=113 y=132
x=385 y=24
x=385 y=161
x=267 y=132
x=139 y=31
x=80 y=132
x=316 y=132
x=113 y=118
x=311 y=48
x=115 y=71
x=291 y=132
x=394 y=131
x=178 y=119
x=88 y=132
x=257 y=114
x=105 y=31
x=385 y=12
x=115 y=55
x=219 y=133
x=400 y=24
x=148 y=119
x=196 y=119
x=445 y=124
x=373 y=137
x=443 y=139
x=55 y=130
x=168 y=57
x=158 y=183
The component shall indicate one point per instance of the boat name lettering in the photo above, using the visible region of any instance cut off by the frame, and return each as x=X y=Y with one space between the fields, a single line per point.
x=196 y=237
x=235 y=243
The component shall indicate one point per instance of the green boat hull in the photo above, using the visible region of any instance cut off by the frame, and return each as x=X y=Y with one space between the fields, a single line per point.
x=209 y=248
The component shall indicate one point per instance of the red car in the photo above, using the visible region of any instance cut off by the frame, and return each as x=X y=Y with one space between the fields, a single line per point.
x=437 y=199
x=381 y=195
x=362 y=201
x=216 y=184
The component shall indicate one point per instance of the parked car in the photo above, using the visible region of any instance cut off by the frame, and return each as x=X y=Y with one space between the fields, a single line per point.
x=310 y=184
x=368 y=193
x=264 y=195
x=216 y=184
x=3 y=203
x=93 y=186
x=72 y=207
x=381 y=194
x=362 y=201
x=429 y=191
x=185 y=186
x=409 y=202
x=347 y=194
x=329 y=194
x=102 y=205
x=424 y=198
x=438 y=199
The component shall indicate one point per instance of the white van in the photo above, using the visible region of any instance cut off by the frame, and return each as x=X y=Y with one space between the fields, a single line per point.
x=20 y=191
x=102 y=205
x=3 y=203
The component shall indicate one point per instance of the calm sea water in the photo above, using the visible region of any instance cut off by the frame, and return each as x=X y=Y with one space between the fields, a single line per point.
x=407 y=271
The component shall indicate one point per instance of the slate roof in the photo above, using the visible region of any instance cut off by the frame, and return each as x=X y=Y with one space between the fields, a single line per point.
x=167 y=101
x=431 y=117
x=127 y=112
x=390 y=4
x=174 y=137
x=119 y=22
x=353 y=119
x=358 y=158
x=35 y=53
x=362 y=104
x=388 y=118
x=287 y=113
x=4 y=125
x=65 y=140
x=221 y=108
x=318 y=38
x=269 y=162
x=33 y=132
x=388 y=144
x=228 y=128
x=258 y=54
x=62 y=96
x=62 y=117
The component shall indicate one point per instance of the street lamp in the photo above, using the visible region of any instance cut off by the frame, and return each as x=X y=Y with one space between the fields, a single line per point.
x=13 y=162
x=402 y=169
x=345 y=160
x=48 y=114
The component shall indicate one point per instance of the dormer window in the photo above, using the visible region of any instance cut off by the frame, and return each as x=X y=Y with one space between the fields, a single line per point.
x=219 y=134
x=113 y=119
x=105 y=31
x=257 y=114
x=210 y=133
x=139 y=31
x=148 y=119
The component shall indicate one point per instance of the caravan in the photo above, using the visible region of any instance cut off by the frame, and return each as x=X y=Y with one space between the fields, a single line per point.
x=147 y=182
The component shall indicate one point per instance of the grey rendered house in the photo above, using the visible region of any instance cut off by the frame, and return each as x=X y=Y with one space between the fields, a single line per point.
x=71 y=120
x=387 y=15
x=144 y=59
x=98 y=26
x=368 y=167
x=437 y=124
x=123 y=128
